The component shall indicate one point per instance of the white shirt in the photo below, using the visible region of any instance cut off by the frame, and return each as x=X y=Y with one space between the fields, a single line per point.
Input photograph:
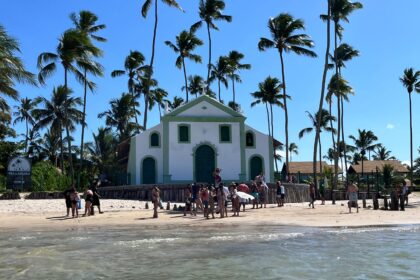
x=281 y=189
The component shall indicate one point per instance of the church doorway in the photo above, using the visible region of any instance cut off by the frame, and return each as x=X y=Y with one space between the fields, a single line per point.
x=204 y=163
x=256 y=167
x=149 y=171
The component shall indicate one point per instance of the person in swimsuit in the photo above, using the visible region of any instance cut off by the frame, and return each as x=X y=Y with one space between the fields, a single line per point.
x=66 y=194
x=352 y=193
x=74 y=198
x=235 y=200
x=212 y=198
x=204 y=196
x=255 y=194
x=188 y=201
x=88 y=202
x=312 y=195
x=95 y=198
x=221 y=198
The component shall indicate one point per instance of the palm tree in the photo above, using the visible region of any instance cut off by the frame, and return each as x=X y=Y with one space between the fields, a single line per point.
x=326 y=118
x=364 y=142
x=144 y=11
x=219 y=72
x=411 y=81
x=74 y=48
x=58 y=114
x=177 y=102
x=322 y=96
x=23 y=114
x=210 y=11
x=102 y=150
x=85 y=22
x=156 y=97
x=11 y=67
x=381 y=153
x=283 y=30
x=293 y=149
x=234 y=65
x=120 y=116
x=269 y=94
x=196 y=85
x=134 y=66
x=185 y=43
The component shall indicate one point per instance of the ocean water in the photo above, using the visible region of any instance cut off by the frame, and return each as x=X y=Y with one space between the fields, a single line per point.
x=173 y=252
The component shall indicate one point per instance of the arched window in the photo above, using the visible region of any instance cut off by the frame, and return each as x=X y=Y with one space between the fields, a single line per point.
x=154 y=140
x=250 y=139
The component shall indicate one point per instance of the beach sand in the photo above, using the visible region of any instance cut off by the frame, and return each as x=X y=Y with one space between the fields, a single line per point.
x=49 y=214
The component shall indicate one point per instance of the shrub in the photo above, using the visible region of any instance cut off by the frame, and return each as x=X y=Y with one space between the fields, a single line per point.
x=46 y=177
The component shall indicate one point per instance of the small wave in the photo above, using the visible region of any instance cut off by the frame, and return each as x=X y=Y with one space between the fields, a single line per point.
x=375 y=229
x=263 y=237
x=136 y=243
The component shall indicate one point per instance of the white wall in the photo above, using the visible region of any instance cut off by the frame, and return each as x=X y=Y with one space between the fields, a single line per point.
x=181 y=159
x=261 y=148
x=143 y=150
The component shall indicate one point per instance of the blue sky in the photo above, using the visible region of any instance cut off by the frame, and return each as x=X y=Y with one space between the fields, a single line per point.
x=385 y=33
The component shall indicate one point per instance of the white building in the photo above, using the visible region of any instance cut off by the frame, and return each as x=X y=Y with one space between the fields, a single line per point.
x=194 y=139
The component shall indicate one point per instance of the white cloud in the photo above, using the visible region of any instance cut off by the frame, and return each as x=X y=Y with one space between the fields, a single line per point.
x=390 y=126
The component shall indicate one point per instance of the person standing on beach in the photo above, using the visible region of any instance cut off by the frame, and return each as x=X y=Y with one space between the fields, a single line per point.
x=217 y=177
x=66 y=194
x=221 y=198
x=74 y=198
x=95 y=198
x=405 y=192
x=242 y=188
x=235 y=200
x=280 y=194
x=322 y=190
x=352 y=193
x=212 y=197
x=88 y=202
x=204 y=196
x=255 y=194
x=188 y=201
x=312 y=195
x=155 y=200
x=196 y=201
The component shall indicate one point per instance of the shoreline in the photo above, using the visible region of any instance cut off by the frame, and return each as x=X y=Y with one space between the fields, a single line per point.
x=16 y=215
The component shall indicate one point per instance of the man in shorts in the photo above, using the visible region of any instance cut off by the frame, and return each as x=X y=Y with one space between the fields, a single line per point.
x=352 y=193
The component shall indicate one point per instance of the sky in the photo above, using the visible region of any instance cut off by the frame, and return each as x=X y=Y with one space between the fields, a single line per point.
x=385 y=33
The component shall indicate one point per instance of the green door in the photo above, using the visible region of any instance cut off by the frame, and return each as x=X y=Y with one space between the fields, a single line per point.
x=204 y=164
x=256 y=167
x=149 y=171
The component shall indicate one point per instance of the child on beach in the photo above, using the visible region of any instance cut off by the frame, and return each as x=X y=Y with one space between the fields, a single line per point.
x=88 y=202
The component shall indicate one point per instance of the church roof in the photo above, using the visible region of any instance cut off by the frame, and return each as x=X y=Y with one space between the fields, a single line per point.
x=208 y=101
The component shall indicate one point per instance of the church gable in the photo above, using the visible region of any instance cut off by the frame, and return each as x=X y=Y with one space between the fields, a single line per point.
x=204 y=106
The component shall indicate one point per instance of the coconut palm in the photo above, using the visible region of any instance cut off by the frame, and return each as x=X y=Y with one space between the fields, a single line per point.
x=196 y=85
x=144 y=11
x=156 y=97
x=177 y=102
x=209 y=12
x=283 y=29
x=46 y=147
x=23 y=114
x=101 y=152
x=134 y=66
x=234 y=66
x=364 y=142
x=293 y=149
x=381 y=153
x=269 y=94
x=327 y=18
x=411 y=81
x=11 y=68
x=58 y=114
x=120 y=116
x=185 y=43
x=219 y=72
x=326 y=118
x=85 y=22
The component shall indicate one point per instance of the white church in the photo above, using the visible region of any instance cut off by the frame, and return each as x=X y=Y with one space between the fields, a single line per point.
x=194 y=139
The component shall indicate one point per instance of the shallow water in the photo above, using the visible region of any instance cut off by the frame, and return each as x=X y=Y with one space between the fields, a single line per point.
x=264 y=252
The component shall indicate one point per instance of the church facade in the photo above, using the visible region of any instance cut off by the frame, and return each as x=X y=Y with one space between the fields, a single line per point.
x=194 y=139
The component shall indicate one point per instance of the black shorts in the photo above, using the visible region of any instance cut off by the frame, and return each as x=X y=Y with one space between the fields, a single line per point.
x=282 y=196
x=68 y=203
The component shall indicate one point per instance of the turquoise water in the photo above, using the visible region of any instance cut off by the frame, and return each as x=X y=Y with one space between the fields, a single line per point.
x=260 y=252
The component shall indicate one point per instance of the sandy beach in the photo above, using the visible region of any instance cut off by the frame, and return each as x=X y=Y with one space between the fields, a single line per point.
x=50 y=214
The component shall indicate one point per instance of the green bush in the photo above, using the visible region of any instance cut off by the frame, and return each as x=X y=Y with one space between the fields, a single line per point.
x=46 y=177
x=2 y=183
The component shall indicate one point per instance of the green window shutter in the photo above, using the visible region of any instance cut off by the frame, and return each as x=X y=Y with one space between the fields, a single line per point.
x=154 y=140
x=225 y=133
x=184 y=133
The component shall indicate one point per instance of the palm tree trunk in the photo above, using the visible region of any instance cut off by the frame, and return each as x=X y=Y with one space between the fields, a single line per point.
x=208 y=65
x=26 y=138
x=218 y=85
x=342 y=130
x=150 y=72
x=320 y=157
x=67 y=130
x=62 y=149
x=321 y=100
x=411 y=142
x=83 y=129
x=233 y=89
x=272 y=133
x=185 y=77
x=286 y=117
x=268 y=120
x=336 y=155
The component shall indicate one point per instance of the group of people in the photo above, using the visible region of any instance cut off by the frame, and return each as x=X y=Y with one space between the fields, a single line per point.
x=74 y=203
